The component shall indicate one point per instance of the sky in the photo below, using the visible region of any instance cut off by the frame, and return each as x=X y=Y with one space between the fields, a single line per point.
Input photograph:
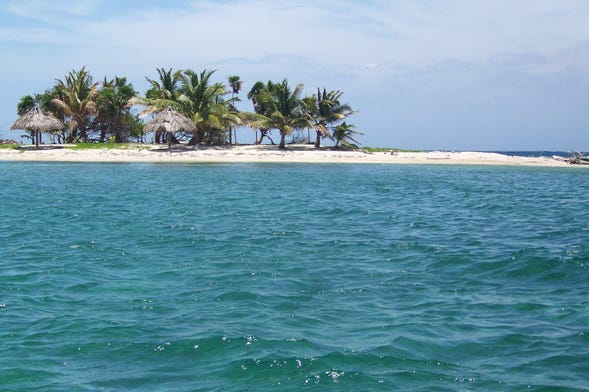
x=422 y=74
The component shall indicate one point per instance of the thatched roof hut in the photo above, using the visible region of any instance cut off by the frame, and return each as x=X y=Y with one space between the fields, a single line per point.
x=169 y=120
x=37 y=120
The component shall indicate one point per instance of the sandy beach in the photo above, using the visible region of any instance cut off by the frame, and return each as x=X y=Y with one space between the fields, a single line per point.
x=265 y=153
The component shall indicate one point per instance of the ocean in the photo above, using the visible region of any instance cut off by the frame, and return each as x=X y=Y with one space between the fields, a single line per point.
x=288 y=277
x=543 y=154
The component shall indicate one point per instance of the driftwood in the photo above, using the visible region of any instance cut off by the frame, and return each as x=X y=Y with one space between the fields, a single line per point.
x=577 y=158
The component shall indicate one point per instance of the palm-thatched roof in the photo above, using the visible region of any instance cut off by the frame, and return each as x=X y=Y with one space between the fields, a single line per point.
x=37 y=120
x=169 y=120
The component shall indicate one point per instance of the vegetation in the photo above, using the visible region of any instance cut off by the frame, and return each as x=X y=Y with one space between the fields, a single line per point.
x=9 y=146
x=258 y=95
x=76 y=101
x=279 y=107
x=115 y=119
x=106 y=112
x=110 y=146
x=91 y=111
x=328 y=112
x=386 y=149
x=235 y=84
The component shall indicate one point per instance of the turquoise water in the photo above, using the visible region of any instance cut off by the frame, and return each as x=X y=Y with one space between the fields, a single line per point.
x=291 y=277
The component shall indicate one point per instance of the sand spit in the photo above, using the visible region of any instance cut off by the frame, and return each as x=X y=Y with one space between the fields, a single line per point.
x=265 y=153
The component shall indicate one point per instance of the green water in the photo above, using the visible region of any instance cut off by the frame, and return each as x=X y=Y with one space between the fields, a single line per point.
x=291 y=277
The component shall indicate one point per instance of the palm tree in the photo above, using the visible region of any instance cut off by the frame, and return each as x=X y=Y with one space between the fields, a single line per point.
x=222 y=118
x=162 y=93
x=329 y=112
x=287 y=115
x=235 y=83
x=114 y=108
x=25 y=104
x=344 y=136
x=279 y=107
x=167 y=86
x=193 y=95
x=76 y=101
x=197 y=99
x=311 y=113
x=256 y=94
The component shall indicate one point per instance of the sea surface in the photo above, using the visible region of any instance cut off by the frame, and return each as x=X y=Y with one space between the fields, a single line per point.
x=290 y=277
x=542 y=154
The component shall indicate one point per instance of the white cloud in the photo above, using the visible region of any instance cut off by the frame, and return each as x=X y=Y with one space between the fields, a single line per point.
x=429 y=58
x=415 y=33
x=30 y=36
x=55 y=11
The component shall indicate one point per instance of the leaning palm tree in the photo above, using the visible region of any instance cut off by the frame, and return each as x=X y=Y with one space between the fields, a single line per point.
x=222 y=119
x=343 y=135
x=257 y=122
x=76 y=101
x=263 y=107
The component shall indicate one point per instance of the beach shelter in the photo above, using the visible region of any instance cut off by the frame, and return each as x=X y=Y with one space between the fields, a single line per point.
x=37 y=121
x=169 y=120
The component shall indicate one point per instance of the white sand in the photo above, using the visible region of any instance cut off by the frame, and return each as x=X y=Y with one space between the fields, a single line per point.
x=265 y=153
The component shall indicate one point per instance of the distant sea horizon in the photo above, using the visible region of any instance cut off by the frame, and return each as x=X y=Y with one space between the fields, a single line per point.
x=520 y=153
x=533 y=153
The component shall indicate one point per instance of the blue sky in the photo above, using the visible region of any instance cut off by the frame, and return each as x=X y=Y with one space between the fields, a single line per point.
x=444 y=74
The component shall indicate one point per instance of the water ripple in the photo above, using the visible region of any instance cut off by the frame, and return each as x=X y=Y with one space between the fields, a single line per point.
x=281 y=277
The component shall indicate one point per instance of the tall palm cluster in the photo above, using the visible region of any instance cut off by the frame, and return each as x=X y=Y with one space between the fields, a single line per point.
x=103 y=111
x=89 y=110
x=280 y=107
x=198 y=98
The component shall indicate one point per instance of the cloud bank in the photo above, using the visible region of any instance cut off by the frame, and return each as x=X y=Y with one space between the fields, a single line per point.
x=446 y=74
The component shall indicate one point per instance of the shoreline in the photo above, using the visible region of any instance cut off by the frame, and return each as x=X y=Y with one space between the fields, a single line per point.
x=265 y=153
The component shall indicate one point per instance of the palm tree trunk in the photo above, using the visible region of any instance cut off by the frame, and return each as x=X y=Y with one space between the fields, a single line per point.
x=318 y=140
x=282 y=144
x=71 y=137
x=118 y=126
